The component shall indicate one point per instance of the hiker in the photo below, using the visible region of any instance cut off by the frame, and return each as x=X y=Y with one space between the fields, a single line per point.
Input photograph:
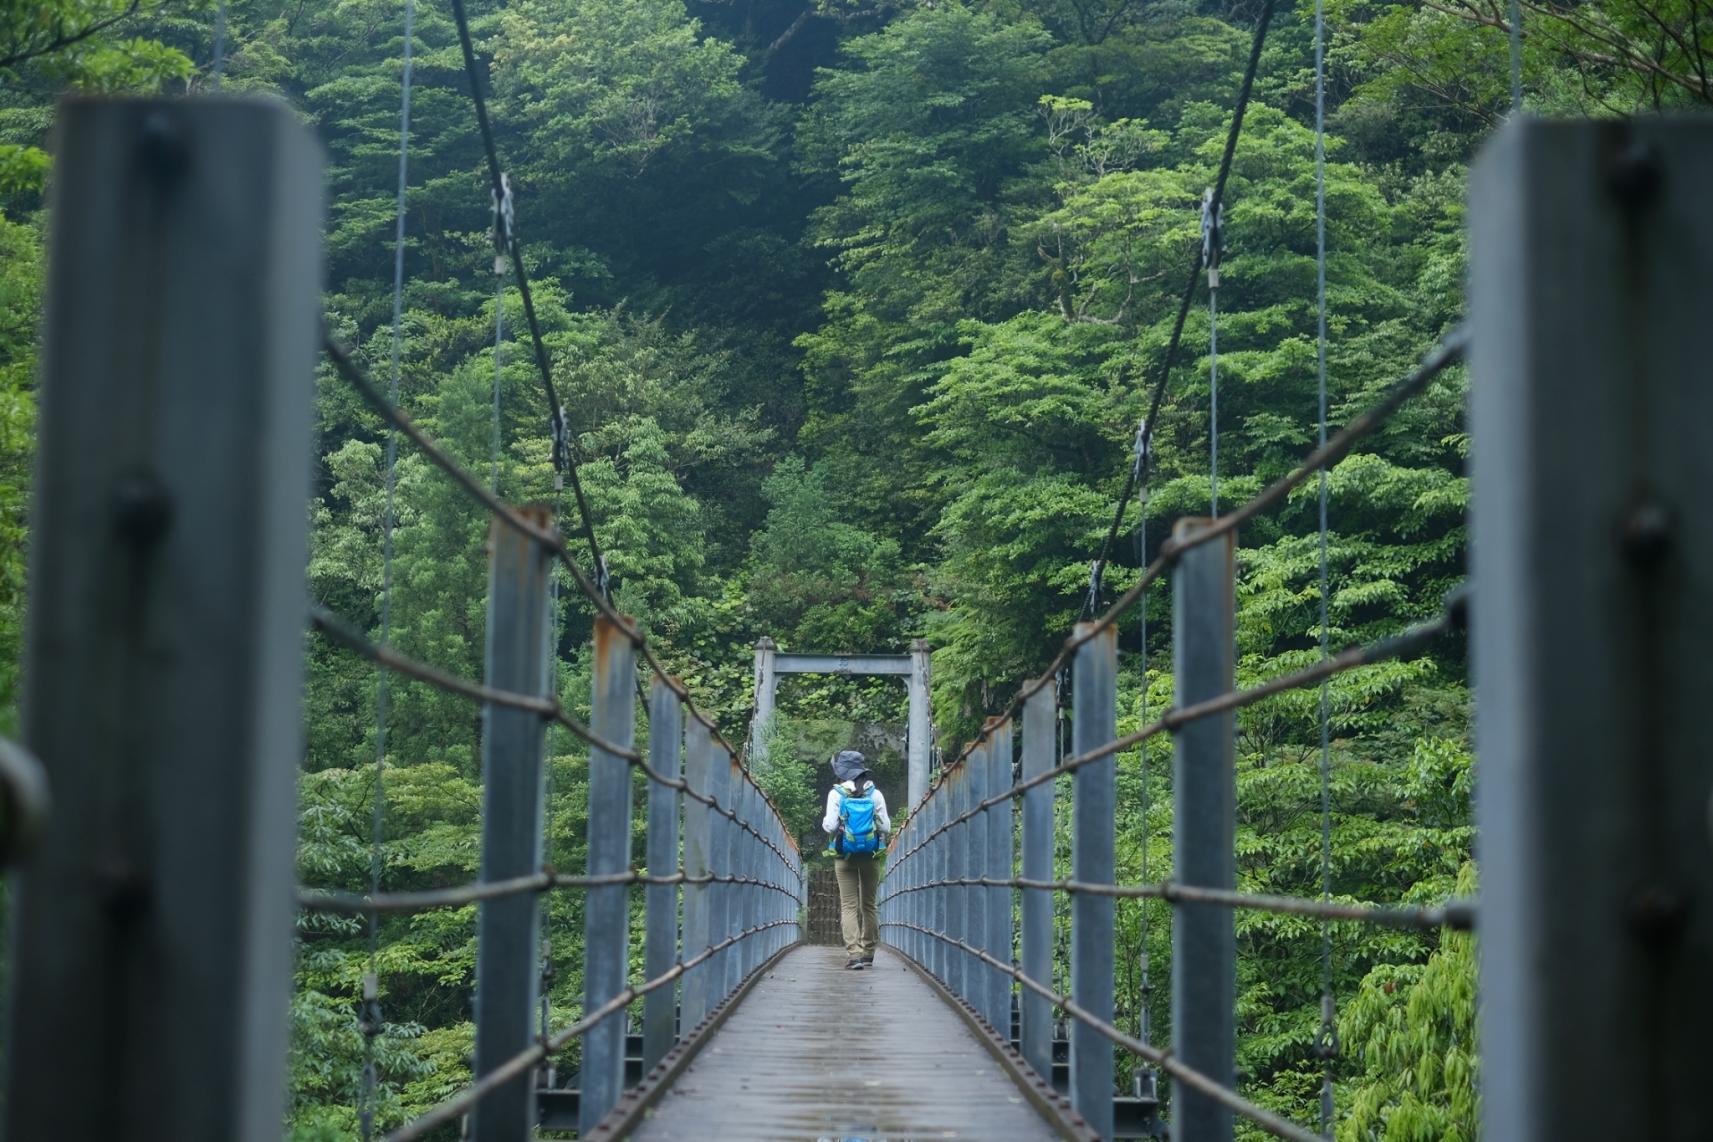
x=856 y=824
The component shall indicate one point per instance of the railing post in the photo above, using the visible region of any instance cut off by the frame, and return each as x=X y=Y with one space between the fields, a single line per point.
x=766 y=686
x=1040 y=724
x=939 y=868
x=920 y=727
x=957 y=867
x=1590 y=292
x=748 y=866
x=514 y=748
x=999 y=826
x=1094 y=723
x=164 y=659
x=975 y=865
x=720 y=863
x=606 y=916
x=700 y=754
x=1204 y=981
x=736 y=855
x=665 y=753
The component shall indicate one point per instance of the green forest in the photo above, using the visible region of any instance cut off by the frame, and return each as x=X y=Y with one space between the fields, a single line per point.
x=853 y=307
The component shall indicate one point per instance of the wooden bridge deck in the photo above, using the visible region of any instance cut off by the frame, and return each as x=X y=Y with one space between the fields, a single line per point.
x=904 y=1067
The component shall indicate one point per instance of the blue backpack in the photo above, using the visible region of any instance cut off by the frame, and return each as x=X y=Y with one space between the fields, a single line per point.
x=857 y=833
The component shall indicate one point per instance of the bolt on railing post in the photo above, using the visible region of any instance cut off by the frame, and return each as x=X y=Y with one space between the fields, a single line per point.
x=999 y=843
x=1094 y=699
x=975 y=864
x=164 y=670
x=1040 y=723
x=1591 y=284
x=700 y=754
x=665 y=754
x=514 y=750
x=606 y=917
x=1204 y=987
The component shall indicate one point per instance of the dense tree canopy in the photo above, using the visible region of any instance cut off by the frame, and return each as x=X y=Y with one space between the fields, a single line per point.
x=853 y=306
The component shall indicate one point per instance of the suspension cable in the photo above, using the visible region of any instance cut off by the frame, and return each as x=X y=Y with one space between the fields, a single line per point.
x=1516 y=38
x=1326 y=1043
x=1151 y=418
x=371 y=1020
x=1212 y=246
x=1145 y=1022
x=564 y=457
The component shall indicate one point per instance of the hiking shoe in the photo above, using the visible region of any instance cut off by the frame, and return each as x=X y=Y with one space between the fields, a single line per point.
x=867 y=960
x=854 y=964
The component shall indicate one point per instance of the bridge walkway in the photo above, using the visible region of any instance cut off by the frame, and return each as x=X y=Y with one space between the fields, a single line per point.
x=815 y=1051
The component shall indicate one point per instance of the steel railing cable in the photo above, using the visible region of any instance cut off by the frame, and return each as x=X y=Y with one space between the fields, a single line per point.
x=1447 y=353
x=1326 y=1042
x=1160 y=1057
x=1151 y=417
x=1456 y=914
x=1413 y=641
x=524 y=1061
x=564 y=458
x=372 y=1022
x=345 y=362
x=375 y=902
x=1406 y=644
x=329 y=624
x=547 y=880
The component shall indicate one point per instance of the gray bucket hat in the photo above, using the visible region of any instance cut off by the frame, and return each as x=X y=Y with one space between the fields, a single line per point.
x=849 y=765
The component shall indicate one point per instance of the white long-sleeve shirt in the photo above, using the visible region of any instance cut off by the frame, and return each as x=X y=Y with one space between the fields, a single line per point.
x=830 y=819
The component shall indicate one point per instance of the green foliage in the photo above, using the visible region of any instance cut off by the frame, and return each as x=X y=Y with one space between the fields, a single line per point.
x=853 y=309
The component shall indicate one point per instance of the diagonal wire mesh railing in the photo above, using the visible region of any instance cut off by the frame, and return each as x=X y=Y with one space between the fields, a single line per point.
x=948 y=894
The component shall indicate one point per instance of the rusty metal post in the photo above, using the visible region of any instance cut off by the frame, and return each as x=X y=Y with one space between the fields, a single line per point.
x=606 y=916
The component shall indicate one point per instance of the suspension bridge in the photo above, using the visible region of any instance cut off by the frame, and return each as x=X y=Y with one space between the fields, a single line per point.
x=153 y=804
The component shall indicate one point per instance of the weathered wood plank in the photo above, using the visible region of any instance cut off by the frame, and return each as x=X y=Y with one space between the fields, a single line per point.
x=816 y=1051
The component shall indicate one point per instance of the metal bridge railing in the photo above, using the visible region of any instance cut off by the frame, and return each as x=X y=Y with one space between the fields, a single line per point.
x=741 y=877
x=949 y=894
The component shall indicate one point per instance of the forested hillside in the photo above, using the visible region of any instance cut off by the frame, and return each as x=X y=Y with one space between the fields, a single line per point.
x=853 y=306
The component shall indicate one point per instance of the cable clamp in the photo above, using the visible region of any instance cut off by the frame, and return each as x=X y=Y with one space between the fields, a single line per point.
x=370 y=1021
x=1212 y=236
x=1326 y=1042
x=505 y=217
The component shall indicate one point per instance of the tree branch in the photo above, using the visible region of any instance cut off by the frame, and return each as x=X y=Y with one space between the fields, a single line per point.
x=21 y=48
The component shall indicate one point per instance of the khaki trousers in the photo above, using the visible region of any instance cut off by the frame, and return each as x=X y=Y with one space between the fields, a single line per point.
x=859 y=914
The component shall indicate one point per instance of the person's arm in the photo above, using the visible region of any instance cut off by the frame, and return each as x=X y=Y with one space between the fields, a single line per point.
x=830 y=819
x=880 y=814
